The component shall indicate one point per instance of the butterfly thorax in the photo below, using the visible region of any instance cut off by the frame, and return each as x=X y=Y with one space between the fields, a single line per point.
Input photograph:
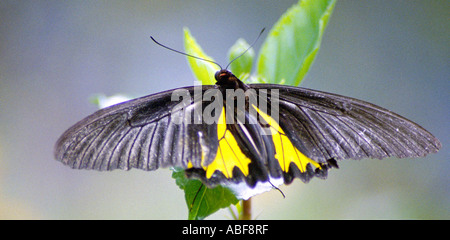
x=226 y=80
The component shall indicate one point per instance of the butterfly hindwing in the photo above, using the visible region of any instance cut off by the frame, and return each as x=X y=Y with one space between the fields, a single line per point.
x=240 y=156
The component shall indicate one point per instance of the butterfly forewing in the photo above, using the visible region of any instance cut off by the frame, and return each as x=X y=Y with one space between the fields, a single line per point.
x=326 y=126
x=136 y=134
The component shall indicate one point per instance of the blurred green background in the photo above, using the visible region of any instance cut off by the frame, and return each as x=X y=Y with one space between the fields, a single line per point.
x=54 y=55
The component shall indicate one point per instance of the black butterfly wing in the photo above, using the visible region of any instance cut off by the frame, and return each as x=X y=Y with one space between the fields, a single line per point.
x=326 y=126
x=141 y=133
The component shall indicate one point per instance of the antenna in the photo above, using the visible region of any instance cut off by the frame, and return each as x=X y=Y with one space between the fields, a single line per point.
x=246 y=49
x=207 y=60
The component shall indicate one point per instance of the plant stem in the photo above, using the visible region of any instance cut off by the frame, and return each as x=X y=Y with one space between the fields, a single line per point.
x=246 y=210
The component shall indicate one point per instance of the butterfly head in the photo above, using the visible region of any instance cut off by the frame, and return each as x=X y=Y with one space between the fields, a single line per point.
x=223 y=76
x=227 y=80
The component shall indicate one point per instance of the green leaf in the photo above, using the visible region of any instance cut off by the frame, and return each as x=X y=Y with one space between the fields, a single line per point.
x=204 y=71
x=242 y=65
x=293 y=42
x=201 y=200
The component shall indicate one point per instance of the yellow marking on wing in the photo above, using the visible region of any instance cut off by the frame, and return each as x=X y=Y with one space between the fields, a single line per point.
x=190 y=165
x=229 y=155
x=286 y=152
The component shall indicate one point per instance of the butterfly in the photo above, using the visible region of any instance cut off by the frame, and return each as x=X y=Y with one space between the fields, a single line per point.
x=233 y=132
x=201 y=130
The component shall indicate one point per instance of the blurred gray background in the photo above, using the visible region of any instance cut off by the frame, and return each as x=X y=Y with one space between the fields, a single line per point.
x=55 y=55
